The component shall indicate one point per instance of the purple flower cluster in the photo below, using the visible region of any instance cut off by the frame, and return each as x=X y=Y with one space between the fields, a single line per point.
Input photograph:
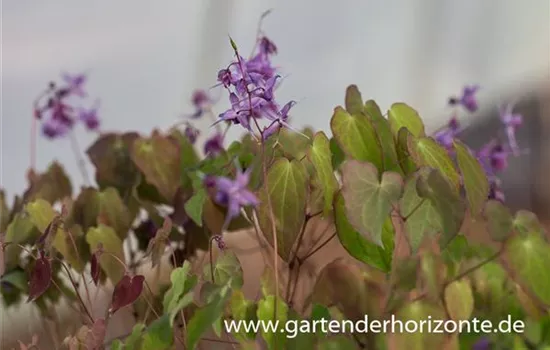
x=494 y=154
x=251 y=84
x=233 y=194
x=58 y=112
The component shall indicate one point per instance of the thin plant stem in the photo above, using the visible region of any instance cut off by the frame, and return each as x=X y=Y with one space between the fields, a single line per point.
x=315 y=250
x=79 y=160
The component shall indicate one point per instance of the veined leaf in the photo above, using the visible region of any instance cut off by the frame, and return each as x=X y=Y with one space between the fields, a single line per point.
x=499 y=220
x=401 y=115
x=473 y=176
x=529 y=257
x=287 y=188
x=426 y=152
x=227 y=269
x=368 y=199
x=354 y=101
x=452 y=210
x=321 y=157
x=359 y=247
x=357 y=137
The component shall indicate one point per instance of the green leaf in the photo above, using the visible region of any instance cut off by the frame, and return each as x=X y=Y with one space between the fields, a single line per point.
x=383 y=128
x=357 y=137
x=41 y=214
x=287 y=188
x=21 y=230
x=418 y=311
x=527 y=222
x=133 y=341
x=227 y=269
x=112 y=244
x=243 y=310
x=195 y=205
x=266 y=313
x=402 y=148
x=426 y=152
x=180 y=293
x=321 y=157
x=159 y=335
x=17 y=278
x=359 y=247
x=158 y=158
x=499 y=220
x=293 y=144
x=117 y=344
x=422 y=217
x=354 y=101
x=205 y=317
x=338 y=342
x=401 y=115
x=529 y=257
x=459 y=300
x=446 y=201
x=114 y=212
x=368 y=199
x=474 y=178
x=338 y=156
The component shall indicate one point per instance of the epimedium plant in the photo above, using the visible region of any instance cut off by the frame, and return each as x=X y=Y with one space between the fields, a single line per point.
x=399 y=201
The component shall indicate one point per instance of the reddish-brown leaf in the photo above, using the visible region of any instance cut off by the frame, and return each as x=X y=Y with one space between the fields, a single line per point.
x=40 y=280
x=126 y=292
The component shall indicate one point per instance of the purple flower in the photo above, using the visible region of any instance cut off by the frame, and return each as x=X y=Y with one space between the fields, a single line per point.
x=493 y=157
x=89 y=117
x=495 y=190
x=234 y=193
x=201 y=101
x=468 y=99
x=511 y=122
x=191 y=133
x=76 y=83
x=267 y=47
x=214 y=145
x=446 y=136
x=53 y=128
x=483 y=343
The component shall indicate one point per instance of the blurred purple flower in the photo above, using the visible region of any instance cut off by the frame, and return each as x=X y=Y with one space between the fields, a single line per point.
x=495 y=190
x=468 y=99
x=191 y=133
x=234 y=193
x=89 y=117
x=75 y=83
x=493 y=157
x=267 y=47
x=511 y=122
x=214 y=145
x=446 y=136
x=53 y=128
x=201 y=101
x=483 y=343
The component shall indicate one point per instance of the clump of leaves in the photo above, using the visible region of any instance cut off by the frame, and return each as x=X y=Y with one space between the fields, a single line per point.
x=398 y=200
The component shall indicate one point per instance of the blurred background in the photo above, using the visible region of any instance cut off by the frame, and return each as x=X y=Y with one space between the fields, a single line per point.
x=145 y=58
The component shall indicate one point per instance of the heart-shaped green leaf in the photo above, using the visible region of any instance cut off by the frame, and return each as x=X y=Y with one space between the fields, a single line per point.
x=402 y=148
x=426 y=152
x=357 y=137
x=158 y=158
x=359 y=247
x=180 y=293
x=159 y=335
x=529 y=257
x=287 y=189
x=499 y=220
x=195 y=205
x=243 y=310
x=401 y=115
x=422 y=218
x=41 y=214
x=321 y=157
x=383 y=129
x=112 y=244
x=451 y=208
x=459 y=300
x=227 y=268
x=526 y=221
x=354 y=101
x=475 y=181
x=368 y=199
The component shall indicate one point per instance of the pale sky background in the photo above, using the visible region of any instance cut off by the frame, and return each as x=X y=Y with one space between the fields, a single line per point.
x=144 y=58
